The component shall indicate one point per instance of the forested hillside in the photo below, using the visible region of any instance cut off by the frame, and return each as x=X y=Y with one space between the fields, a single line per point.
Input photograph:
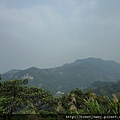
x=105 y=88
x=79 y=74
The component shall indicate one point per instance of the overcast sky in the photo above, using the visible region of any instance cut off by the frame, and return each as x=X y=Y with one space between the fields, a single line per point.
x=49 y=33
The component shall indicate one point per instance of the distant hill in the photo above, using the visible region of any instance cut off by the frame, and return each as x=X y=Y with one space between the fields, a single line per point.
x=10 y=74
x=79 y=74
x=105 y=88
x=12 y=71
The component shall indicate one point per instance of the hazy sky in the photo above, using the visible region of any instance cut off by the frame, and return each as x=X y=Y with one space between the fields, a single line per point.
x=49 y=33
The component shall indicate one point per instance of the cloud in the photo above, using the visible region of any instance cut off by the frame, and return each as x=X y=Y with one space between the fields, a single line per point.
x=48 y=33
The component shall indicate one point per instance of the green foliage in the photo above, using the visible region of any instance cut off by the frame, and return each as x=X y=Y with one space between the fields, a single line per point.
x=11 y=100
x=106 y=88
x=78 y=102
x=1 y=107
x=17 y=98
x=0 y=82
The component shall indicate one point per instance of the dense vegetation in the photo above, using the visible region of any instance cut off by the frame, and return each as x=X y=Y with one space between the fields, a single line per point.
x=105 y=88
x=16 y=98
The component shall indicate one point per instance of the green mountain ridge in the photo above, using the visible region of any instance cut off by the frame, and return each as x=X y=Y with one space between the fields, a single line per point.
x=79 y=74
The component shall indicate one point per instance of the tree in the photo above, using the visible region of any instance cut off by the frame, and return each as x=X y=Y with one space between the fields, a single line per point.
x=0 y=79
x=10 y=93
x=16 y=97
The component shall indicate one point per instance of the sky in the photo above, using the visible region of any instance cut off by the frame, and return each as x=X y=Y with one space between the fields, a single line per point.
x=50 y=33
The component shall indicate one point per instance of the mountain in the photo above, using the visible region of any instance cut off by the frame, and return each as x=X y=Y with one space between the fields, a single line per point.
x=79 y=74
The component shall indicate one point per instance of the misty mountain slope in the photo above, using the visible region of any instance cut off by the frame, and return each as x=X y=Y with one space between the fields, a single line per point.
x=10 y=73
x=105 y=88
x=79 y=74
x=37 y=77
x=83 y=72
